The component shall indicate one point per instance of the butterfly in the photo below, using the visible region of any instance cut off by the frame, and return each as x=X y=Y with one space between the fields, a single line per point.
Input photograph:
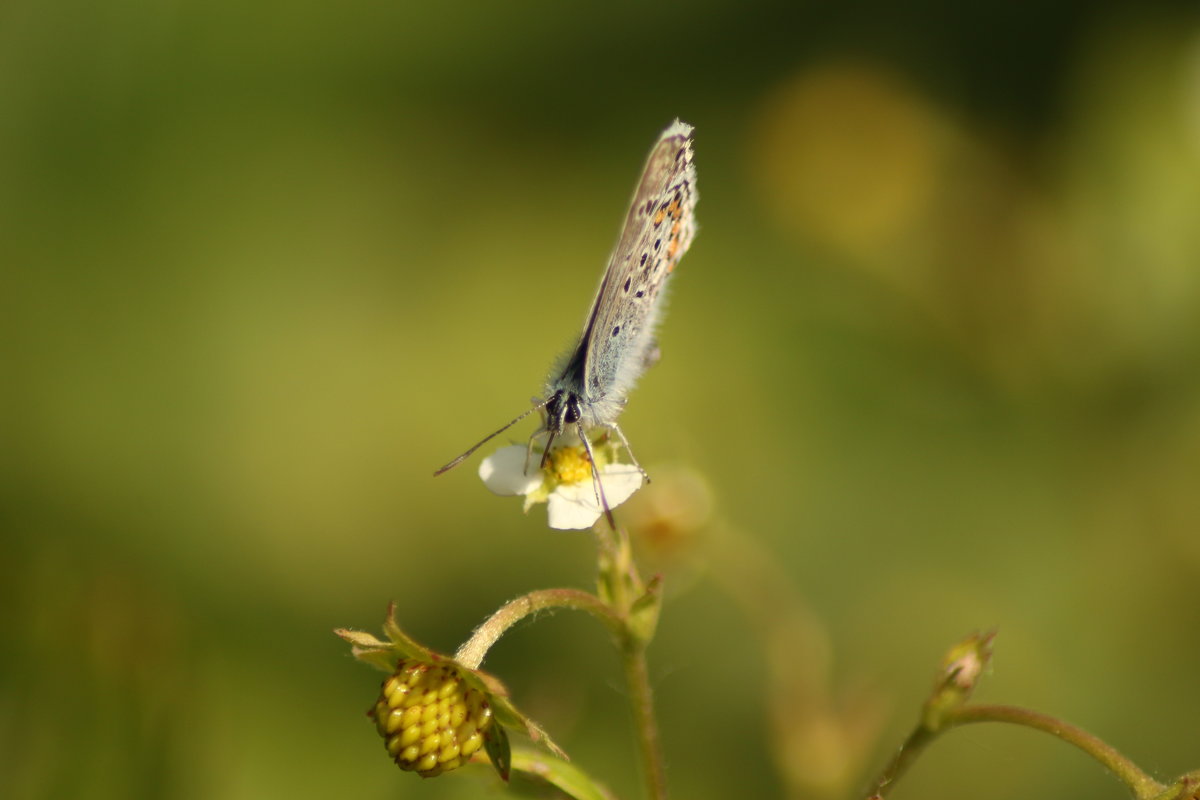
x=589 y=385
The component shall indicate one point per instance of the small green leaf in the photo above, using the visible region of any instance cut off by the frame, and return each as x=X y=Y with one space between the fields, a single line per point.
x=563 y=775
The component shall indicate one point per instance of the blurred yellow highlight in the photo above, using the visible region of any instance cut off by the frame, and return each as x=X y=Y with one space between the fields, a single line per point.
x=846 y=156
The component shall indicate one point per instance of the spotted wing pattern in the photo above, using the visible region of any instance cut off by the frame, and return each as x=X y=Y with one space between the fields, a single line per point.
x=619 y=336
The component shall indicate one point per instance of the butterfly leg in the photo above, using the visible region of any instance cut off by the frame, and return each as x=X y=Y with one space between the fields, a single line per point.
x=545 y=453
x=597 y=485
x=612 y=426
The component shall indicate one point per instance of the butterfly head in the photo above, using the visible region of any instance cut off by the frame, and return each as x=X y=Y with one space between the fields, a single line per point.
x=562 y=409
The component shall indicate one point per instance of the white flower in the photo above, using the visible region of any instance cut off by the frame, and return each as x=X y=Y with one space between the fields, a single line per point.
x=565 y=484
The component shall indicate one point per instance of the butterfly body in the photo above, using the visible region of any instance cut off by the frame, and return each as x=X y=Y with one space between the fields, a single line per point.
x=590 y=384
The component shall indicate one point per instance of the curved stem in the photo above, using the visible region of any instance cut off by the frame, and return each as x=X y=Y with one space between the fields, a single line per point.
x=472 y=651
x=1139 y=782
x=1142 y=785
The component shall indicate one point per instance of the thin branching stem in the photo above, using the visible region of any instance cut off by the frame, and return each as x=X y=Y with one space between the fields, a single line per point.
x=1141 y=784
x=912 y=747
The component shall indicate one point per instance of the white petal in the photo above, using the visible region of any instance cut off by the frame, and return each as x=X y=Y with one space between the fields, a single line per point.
x=620 y=482
x=573 y=506
x=504 y=472
x=569 y=509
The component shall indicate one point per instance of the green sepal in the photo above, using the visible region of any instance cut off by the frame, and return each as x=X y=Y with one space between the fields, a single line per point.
x=495 y=742
x=960 y=672
x=384 y=655
x=643 y=614
x=508 y=715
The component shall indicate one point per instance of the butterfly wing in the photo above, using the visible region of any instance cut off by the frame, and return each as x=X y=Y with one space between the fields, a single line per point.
x=618 y=339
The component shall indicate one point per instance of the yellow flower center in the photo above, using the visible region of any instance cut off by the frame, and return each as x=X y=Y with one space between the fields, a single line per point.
x=571 y=464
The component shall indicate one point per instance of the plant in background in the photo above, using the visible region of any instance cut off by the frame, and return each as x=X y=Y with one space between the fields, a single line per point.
x=436 y=712
x=947 y=707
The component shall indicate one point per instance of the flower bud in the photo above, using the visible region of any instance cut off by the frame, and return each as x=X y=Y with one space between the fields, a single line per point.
x=431 y=721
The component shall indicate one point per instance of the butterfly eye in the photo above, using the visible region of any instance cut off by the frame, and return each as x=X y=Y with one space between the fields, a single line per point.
x=572 y=414
x=552 y=405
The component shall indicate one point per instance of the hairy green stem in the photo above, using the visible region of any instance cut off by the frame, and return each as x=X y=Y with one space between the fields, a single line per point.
x=912 y=747
x=472 y=651
x=620 y=583
x=637 y=678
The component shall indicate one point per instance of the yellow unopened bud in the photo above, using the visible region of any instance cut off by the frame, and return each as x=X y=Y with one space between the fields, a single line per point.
x=430 y=719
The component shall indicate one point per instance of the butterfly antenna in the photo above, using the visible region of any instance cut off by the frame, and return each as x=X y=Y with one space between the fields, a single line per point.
x=487 y=439
x=597 y=484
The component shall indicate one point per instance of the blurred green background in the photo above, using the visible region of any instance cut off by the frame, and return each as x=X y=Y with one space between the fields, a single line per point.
x=935 y=354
